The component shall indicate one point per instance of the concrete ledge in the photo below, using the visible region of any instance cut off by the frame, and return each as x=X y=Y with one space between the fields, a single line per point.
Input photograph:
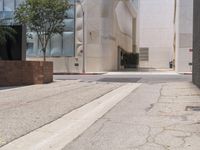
x=61 y=132
x=17 y=73
x=63 y=73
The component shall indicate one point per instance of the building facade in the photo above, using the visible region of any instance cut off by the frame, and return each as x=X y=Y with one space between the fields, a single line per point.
x=109 y=26
x=183 y=35
x=59 y=45
x=166 y=34
x=196 y=44
x=156 y=33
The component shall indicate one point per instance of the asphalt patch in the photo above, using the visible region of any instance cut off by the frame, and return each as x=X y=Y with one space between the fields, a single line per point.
x=121 y=80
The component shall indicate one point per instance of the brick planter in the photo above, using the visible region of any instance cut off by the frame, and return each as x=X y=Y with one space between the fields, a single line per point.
x=17 y=73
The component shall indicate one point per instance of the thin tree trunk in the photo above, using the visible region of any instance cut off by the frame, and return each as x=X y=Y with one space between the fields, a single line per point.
x=44 y=54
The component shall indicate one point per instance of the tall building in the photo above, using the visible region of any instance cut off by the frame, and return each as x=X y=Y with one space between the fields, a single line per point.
x=183 y=35
x=108 y=29
x=166 y=34
x=156 y=33
x=110 y=26
x=196 y=43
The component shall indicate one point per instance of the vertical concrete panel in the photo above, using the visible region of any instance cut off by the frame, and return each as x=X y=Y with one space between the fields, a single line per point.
x=196 y=44
x=184 y=27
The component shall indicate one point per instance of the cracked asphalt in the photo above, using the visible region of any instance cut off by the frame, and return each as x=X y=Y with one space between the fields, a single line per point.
x=154 y=117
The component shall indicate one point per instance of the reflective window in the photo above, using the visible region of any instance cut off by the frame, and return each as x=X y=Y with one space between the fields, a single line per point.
x=9 y=5
x=1 y=5
x=18 y=2
x=60 y=45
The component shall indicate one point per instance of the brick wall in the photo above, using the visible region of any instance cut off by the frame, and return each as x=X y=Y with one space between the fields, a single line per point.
x=16 y=73
x=196 y=44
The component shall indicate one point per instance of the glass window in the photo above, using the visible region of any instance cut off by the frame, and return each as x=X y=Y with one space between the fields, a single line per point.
x=30 y=48
x=70 y=13
x=33 y=48
x=1 y=5
x=56 y=45
x=9 y=5
x=18 y=2
x=59 y=45
x=69 y=25
x=68 y=44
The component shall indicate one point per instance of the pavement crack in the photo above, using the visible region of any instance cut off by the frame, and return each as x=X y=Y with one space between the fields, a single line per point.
x=160 y=93
x=99 y=130
x=146 y=139
x=149 y=108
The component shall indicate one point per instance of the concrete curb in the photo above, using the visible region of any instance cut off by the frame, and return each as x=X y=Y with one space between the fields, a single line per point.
x=61 y=132
x=142 y=73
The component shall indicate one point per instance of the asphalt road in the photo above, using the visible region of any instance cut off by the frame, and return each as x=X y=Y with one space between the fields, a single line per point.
x=130 y=77
x=25 y=109
x=154 y=117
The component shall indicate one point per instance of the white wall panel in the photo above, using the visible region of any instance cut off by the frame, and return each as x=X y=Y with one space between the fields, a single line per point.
x=184 y=32
x=157 y=31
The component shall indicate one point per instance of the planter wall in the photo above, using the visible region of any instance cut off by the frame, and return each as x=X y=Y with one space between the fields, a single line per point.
x=17 y=73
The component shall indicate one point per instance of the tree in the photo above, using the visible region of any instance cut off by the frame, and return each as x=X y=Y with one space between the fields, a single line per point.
x=45 y=17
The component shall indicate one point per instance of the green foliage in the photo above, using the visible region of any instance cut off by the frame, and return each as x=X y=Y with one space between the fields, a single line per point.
x=45 y=17
x=6 y=33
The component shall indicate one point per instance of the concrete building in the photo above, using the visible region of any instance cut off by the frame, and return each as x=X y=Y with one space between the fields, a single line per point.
x=166 y=34
x=196 y=44
x=183 y=35
x=156 y=33
x=110 y=26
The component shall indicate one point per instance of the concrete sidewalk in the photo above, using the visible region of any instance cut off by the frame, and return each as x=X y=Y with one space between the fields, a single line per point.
x=159 y=116
x=25 y=109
